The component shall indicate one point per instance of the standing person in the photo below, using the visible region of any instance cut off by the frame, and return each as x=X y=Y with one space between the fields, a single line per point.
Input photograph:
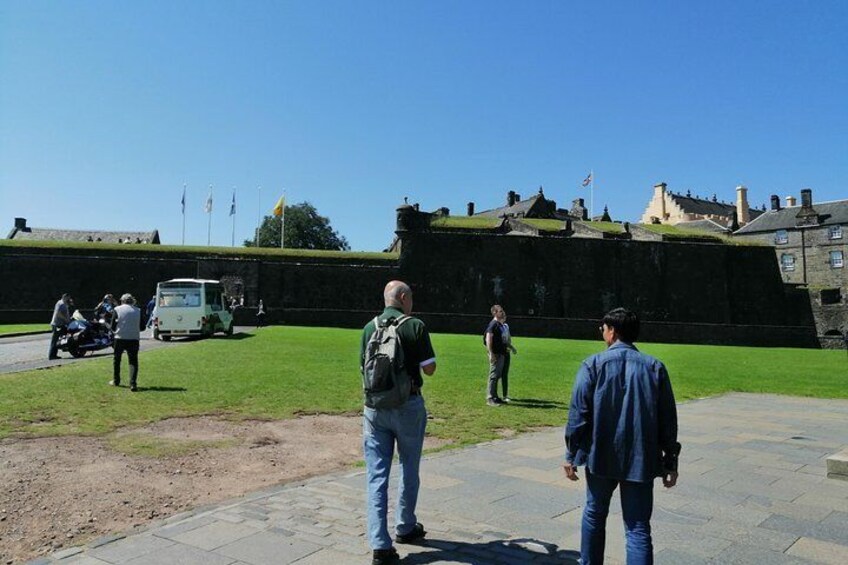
x=509 y=350
x=622 y=425
x=59 y=323
x=496 y=350
x=260 y=314
x=383 y=428
x=126 y=321
x=150 y=311
x=103 y=311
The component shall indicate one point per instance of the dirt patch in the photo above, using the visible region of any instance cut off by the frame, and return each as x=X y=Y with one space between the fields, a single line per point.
x=60 y=492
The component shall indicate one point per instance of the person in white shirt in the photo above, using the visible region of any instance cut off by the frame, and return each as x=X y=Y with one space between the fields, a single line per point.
x=126 y=322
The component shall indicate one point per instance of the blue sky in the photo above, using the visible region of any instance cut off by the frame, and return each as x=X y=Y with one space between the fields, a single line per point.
x=108 y=108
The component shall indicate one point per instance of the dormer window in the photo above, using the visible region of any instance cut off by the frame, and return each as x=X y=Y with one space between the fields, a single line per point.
x=787 y=262
x=835 y=232
x=781 y=237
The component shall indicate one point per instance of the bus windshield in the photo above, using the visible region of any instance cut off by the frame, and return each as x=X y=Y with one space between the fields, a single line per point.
x=178 y=297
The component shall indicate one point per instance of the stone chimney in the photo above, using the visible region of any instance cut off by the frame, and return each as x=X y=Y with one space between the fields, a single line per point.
x=470 y=208
x=790 y=201
x=742 y=208
x=510 y=198
x=517 y=197
x=807 y=215
x=20 y=224
x=775 y=202
x=659 y=195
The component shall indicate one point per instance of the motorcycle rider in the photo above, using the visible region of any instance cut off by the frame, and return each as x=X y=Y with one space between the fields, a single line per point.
x=59 y=323
x=126 y=321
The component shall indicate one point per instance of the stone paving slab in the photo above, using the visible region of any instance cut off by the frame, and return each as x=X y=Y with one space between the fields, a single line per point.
x=753 y=489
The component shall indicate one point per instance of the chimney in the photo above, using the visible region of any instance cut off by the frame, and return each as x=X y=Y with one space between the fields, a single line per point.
x=20 y=224
x=775 y=202
x=470 y=208
x=807 y=215
x=806 y=198
x=742 y=209
x=790 y=201
x=517 y=197
x=659 y=195
x=510 y=198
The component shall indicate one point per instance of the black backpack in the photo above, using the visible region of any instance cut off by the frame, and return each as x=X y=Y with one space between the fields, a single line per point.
x=385 y=382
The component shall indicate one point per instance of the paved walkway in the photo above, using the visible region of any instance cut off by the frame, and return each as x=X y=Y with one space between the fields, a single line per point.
x=752 y=490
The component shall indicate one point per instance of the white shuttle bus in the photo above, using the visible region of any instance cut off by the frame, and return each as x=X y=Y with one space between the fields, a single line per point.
x=191 y=307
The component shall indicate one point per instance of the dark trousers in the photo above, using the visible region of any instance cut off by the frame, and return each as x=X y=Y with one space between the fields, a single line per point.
x=637 y=504
x=54 y=337
x=131 y=347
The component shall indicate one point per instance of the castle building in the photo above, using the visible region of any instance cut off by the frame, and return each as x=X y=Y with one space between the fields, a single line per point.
x=22 y=231
x=667 y=207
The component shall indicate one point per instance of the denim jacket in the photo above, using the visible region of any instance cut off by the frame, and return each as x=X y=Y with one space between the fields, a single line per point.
x=622 y=417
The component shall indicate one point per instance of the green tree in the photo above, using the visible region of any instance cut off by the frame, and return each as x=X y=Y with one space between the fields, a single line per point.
x=305 y=229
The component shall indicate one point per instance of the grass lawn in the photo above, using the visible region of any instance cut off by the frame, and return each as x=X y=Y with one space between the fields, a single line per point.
x=280 y=372
x=20 y=328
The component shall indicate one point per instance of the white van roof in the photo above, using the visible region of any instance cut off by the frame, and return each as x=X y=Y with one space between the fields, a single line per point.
x=207 y=281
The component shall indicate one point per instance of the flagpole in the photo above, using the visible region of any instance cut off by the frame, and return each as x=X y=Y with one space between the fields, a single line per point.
x=591 y=194
x=283 y=223
x=258 y=216
x=209 y=212
x=184 y=195
x=233 y=210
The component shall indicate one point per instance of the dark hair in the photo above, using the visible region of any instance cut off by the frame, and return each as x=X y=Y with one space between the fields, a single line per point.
x=624 y=322
x=496 y=308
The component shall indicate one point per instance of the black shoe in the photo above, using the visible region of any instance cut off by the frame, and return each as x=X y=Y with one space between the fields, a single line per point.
x=416 y=534
x=494 y=402
x=385 y=557
x=53 y=358
x=133 y=388
x=115 y=383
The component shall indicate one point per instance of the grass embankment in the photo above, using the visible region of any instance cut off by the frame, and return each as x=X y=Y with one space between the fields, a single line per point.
x=23 y=328
x=284 y=371
x=466 y=222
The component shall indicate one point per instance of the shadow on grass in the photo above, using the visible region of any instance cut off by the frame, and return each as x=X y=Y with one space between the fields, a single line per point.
x=536 y=403
x=161 y=389
x=523 y=550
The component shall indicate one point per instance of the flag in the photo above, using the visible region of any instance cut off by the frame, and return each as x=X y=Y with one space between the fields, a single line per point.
x=208 y=207
x=233 y=205
x=182 y=201
x=281 y=205
x=587 y=180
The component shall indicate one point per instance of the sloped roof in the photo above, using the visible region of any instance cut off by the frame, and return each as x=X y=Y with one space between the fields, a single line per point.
x=704 y=207
x=519 y=209
x=50 y=234
x=703 y=225
x=830 y=213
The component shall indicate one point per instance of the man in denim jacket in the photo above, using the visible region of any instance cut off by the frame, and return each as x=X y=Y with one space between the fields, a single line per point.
x=622 y=425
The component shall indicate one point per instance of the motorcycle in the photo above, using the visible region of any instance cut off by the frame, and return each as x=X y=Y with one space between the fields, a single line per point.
x=83 y=336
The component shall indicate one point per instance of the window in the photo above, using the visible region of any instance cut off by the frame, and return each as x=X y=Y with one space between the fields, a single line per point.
x=787 y=262
x=831 y=296
x=781 y=237
x=835 y=232
x=836 y=261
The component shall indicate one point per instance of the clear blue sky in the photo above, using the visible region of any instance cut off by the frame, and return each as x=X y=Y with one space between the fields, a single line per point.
x=108 y=108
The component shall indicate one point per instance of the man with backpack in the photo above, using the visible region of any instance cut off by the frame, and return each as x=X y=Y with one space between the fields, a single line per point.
x=395 y=350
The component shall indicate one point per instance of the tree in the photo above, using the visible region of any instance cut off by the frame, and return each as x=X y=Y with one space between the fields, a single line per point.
x=305 y=229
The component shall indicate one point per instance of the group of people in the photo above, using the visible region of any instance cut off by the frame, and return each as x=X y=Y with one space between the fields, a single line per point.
x=125 y=320
x=622 y=427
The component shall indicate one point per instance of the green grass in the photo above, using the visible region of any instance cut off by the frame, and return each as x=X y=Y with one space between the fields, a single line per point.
x=281 y=372
x=23 y=328
x=608 y=227
x=214 y=251
x=466 y=222
x=545 y=225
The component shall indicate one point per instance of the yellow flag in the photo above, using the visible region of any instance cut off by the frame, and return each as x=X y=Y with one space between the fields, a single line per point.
x=281 y=204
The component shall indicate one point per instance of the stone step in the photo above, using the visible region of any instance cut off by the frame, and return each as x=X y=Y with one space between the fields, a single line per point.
x=837 y=466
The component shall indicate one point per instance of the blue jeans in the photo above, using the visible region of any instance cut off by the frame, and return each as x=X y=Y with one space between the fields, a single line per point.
x=637 y=504
x=381 y=429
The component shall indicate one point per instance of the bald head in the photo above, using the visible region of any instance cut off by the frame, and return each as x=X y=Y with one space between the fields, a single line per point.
x=398 y=295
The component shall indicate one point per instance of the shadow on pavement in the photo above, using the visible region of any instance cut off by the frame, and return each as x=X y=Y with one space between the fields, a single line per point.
x=514 y=550
x=536 y=403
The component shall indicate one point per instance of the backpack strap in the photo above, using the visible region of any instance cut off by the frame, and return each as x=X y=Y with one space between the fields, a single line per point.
x=402 y=319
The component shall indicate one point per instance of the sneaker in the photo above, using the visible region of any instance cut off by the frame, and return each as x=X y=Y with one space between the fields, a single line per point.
x=415 y=534
x=114 y=383
x=506 y=400
x=494 y=402
x=385 y=557
x=133 y=388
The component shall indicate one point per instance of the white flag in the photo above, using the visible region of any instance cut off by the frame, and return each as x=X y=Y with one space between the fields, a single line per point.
x=208 y=207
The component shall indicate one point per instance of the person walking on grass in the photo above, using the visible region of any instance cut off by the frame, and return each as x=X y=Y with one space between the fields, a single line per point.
x=498 y=346
x=393 y=418
x=622 y=425
x=126 y=321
